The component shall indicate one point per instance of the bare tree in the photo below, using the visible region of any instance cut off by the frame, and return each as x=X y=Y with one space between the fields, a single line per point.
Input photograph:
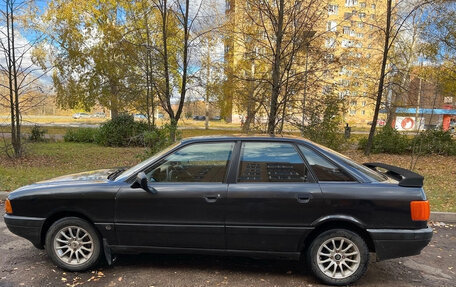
x=391 y=30
x=22 y=74
x=273 y=39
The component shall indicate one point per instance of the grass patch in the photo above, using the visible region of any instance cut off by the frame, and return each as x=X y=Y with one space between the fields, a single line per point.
x=47 y=160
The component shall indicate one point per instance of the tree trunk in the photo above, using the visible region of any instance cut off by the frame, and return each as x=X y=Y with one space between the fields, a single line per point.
x=381 y=81
x=276 y=72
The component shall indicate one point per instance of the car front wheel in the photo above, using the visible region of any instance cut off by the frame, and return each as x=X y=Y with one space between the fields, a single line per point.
x=73 y=244
x=338 y=257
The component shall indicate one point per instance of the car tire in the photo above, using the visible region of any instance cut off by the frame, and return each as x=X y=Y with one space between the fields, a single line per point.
x=338 y=257
x=73 y=244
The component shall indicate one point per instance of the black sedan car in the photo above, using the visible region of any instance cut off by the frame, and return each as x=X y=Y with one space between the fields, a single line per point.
x=250 y=196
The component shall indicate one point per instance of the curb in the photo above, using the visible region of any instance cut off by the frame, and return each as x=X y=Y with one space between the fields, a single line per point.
x=447 y=217
x=3 y=195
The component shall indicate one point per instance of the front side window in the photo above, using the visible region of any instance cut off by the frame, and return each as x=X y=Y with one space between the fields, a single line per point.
x=205 y=162
x=323 y=168
x=271 y=162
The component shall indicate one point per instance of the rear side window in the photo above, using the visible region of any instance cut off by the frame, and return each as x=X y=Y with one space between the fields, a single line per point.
x=323 y=168
x=271 y=162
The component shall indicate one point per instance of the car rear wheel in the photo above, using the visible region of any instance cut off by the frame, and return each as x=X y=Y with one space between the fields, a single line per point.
x=338 y=257
x=73 y=244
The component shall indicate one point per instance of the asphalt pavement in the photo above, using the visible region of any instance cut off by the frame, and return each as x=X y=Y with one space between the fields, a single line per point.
x=23 y=265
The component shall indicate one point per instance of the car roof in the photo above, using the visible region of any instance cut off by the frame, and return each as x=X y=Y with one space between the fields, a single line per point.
x=244 y=137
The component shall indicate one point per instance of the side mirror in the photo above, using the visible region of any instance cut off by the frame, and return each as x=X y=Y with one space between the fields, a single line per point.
x=141 y=180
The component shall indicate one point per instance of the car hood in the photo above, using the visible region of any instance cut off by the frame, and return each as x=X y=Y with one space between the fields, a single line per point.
x=100 y=175
x=84 y=181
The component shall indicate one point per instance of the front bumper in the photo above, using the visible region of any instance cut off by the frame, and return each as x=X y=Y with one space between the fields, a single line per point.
x=27 y=227
x=393 y=243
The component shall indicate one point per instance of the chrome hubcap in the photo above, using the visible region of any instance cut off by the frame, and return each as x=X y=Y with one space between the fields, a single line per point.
x=338 y=257
x=73 y=245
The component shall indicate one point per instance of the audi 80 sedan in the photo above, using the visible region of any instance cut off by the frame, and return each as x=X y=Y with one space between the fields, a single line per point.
x=250 y=196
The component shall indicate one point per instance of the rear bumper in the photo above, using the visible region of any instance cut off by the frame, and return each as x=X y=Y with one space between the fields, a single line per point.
x=393 y=243
x=27 y=227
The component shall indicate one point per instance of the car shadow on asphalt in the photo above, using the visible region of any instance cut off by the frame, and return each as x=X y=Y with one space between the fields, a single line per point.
x=212 y=262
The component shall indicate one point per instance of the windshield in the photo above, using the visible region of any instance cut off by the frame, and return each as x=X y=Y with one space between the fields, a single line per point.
x=129 y=172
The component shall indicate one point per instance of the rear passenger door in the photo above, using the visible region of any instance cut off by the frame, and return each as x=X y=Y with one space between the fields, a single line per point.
x=273 y=199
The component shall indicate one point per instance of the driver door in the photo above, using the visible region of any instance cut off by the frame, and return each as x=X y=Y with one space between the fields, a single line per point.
x=187 y=211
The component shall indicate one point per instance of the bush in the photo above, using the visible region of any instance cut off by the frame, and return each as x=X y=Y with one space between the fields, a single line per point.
x=121 y=131
x=324 y=123
x=159 y=138
x=434 y=142
x=37 y=134
x=387 y=140
x=82 y=135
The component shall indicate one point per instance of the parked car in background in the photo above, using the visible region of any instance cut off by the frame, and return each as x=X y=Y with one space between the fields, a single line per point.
x=139 y=117
x=216 y=118
x=81 y=116
x=250 y=196
x=160 y=116
x=99 y=115
x=380 y=123
x=199 y=118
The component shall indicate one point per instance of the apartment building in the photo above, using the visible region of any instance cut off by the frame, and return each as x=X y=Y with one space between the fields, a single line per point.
x=349 y=33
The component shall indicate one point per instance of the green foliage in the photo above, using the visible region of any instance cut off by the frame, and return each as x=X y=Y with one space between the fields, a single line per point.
x=326 y=129
x=37 y=134
x=434 y=142
x=121 y=131
x=81 y=135
x=387 y=140
x=159 y=138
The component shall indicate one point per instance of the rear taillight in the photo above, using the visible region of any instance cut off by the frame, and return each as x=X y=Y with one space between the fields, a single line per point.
x=8 y=208
x=420 y=210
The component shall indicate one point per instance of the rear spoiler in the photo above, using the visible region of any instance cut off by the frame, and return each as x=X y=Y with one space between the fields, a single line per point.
x=405 y=177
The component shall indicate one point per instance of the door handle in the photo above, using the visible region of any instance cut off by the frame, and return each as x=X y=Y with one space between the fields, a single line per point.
x=304 y=198
x=212 y=198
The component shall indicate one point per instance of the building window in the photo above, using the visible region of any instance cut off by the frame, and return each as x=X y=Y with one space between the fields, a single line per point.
x=347 y=15
x=362 y=15
x=363 y=112
x=331 y=26
x=359 y=35
x=333 y=9
x=351 y=3
x=227 y=5
x=360 y=24
x=371 y=26
x=329 y=57
x=353 y=103
x=362 y=4
x=352 y=112
x=373 y=6
x=363 y=103
x=329 y=43
x=346 y=30
x=347 y=43
x=372 y=16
